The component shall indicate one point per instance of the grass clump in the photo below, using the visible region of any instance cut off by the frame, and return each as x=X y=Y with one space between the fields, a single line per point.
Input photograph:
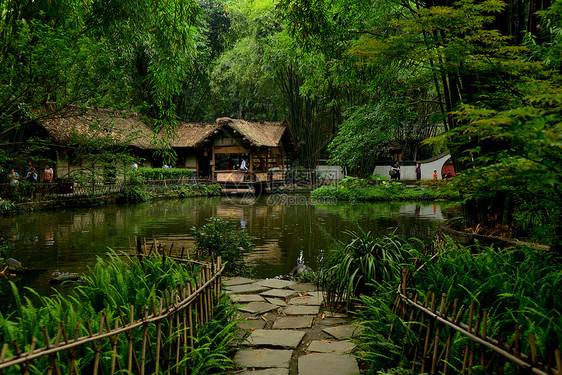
x=360 y=266
x=360 y=190
x=219 y=237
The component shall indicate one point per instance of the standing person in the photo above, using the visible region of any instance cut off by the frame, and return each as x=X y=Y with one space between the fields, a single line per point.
x=243 y=166
x=13 y=177
x=48 y=174
x=397 y=168
x=31 y=172
x=435 y=175
x=418 y=171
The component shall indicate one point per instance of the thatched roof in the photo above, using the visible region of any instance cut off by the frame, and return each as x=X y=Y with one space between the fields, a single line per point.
x=191 y=135
x=261 y=134
x=266 y=134
x=118 y=126
x=127 y=128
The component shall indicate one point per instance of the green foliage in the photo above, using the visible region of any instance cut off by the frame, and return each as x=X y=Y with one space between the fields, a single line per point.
x=6 y=206
x=362 y=264
x=134 y=190
x=199 y=190
x=359 y=190
x=219 y=237
x=113 y=285
x=384 y=335
x=165 y=173
x=214 y=341
x=517 y=286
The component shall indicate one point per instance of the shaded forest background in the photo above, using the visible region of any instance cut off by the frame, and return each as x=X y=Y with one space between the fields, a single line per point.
x=354 y=78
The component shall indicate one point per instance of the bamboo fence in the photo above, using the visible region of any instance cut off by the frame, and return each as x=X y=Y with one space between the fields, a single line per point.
x=442 y=326
x=157 y=342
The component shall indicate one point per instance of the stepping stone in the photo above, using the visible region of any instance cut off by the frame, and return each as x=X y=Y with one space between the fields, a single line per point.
x=237 y=281
x=250 y=325
x=329 y=346
x=293 y=322
x=301 y=310
x=328 y=364
x=262 y=358
x=282 y=338
x=304 y=287
x=257 y=307
x=306 y=300
x=343 y=332
x=276 y=301
x=275 y=283
x=267 y=371
x=331 y=314
x=279 y=293
x=245 y=298
x=316 y=294
x=333 y=321
x=246 y=289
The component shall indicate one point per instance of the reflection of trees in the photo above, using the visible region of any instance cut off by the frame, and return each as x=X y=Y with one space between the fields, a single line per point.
x=70 y=240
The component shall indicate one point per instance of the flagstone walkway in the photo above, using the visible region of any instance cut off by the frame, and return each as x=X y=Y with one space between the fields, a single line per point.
x=287 y=331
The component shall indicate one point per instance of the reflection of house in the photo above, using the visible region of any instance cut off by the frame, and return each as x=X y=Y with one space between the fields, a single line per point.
x=214 y=150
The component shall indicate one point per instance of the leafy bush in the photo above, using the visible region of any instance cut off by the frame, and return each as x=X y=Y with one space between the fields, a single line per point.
x=165 y=173
x=6 y=206
x=218 y=237
x=134 y=190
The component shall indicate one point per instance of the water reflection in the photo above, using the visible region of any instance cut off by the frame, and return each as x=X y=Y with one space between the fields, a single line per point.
x=70 y=240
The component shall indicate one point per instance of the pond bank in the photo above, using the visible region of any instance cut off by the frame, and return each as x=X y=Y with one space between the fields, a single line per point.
x=140 y=194
x=362 y=190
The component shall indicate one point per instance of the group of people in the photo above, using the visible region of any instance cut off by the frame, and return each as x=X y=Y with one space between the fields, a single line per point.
x=30 y=174
x=395 y=172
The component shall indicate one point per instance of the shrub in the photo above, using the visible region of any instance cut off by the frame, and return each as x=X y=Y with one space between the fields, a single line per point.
x=221 y=238
x=165 y=173
x=134 y=190
x=6 y=206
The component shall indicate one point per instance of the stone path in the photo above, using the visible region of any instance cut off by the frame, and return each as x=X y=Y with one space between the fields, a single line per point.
x=286 y=331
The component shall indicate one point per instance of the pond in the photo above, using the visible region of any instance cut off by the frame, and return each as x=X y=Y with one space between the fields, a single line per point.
x=283 y=228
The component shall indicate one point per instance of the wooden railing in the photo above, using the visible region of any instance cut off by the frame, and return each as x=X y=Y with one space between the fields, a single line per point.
x=152 y=341
x=439 y=323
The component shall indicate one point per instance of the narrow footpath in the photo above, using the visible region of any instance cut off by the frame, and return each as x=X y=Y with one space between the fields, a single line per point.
x=287 y=330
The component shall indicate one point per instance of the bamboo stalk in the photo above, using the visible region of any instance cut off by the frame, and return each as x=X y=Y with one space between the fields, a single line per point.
x=158 y=339
x=144 y=344
x=434 y=358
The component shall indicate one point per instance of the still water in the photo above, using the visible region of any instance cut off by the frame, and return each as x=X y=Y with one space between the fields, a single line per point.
x=283 y=228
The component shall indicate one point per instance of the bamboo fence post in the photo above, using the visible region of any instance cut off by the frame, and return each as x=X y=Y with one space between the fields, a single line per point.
x=190 y=318
x=130 y=349
x=434 y=358
x=144 y=342
x=558 y=360
x=114 y=348
x=484 y=334
x=158 y=339
x=466 y=348
x=431 y=299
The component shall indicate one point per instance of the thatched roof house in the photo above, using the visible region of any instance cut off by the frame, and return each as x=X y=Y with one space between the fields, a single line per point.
x=120 y=127
x=204 y=147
